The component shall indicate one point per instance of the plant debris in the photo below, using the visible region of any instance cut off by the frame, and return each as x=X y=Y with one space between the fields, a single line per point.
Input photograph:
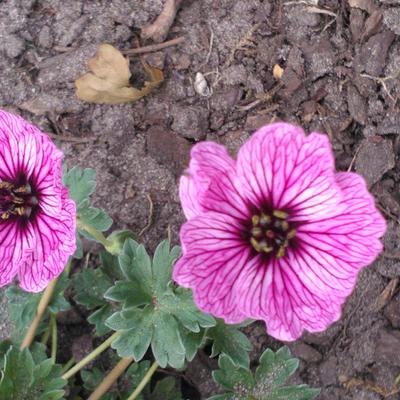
x=108 y=81
x=158 y=30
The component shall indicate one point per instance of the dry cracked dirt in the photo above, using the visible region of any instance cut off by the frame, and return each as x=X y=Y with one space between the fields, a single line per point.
x=341 y=63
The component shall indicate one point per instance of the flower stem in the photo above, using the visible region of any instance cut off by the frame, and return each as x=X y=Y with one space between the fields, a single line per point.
x=108 y=381
x=94 y=232
x=53 y=324
x=44 y=302
x=68 y=365
x=98 y=350
x=144 y=381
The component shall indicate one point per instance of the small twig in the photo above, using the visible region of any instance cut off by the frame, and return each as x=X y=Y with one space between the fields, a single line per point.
x=354 y=158
x=159 y=29
x=154 y=47
x=150 y=218
x=210 y=49
x=382 y=81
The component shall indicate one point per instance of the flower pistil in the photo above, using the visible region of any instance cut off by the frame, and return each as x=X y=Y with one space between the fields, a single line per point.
x=16 y=200
x=271 y=232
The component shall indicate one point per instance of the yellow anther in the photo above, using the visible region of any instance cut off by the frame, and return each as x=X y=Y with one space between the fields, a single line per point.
x=266 y=249
x=281 y=252
x=5 y=215
x=284 y=225
x=255 y=219
x=256 y=231
x=291 y=234
x=21 y=189
x=6 y=185
x=17 y=200
x=20 y=210
x=280 y=214
x=265 y=219
x=255 y=244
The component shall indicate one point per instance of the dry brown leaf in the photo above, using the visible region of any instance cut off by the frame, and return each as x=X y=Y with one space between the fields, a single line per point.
x=108 y=81
x=277 y=71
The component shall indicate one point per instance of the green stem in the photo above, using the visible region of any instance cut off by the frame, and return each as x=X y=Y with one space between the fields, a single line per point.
x=53 y=324
x=97 y=351
x=68 y=365
x=144 y=382
x=46 y=335
x=94 y=232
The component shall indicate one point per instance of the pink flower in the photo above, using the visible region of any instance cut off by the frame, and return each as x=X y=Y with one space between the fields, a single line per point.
x=37 y=220
x=276 y=235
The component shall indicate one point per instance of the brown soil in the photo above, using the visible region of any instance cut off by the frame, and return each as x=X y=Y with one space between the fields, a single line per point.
x=341 y=67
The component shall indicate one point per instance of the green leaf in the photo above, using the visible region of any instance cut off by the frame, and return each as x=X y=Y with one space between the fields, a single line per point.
x=281 y=364
x=266 y=384
x=80 y=182
x=94 y=217
x=162 y=265
x=227 y=339
x=90 y=286
x=231 y=376
x=166 y=337
x=30 y=376
x=4 y=347
x=22 y=308
x=117 y=240
x=133 y=342
x=153 y=311
x=99 y=318
x=192 y=341
x=166 y=390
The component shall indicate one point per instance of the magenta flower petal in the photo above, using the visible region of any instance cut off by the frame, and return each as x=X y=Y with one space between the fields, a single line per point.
x=285 y=241
x=37 y=219
x=281 y=165
x=208 y=184
x=214 y=262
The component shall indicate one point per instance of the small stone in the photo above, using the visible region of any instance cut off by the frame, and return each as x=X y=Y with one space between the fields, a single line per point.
x=156 y=59
x=305 y=352
x=168 y=148
x=372 y=58
x=183 y=62
x=81 y=346
x=327 y=371
x=253 y=122
x=372 y=24
x=387 y=347
x=74 y=30
x=13 y=45
x=374 y=159
x=391 y=19
x=356 y=23
x=190 y=122
x=45 y=38
x=392 y=312
x=357 y=105
x=321 y=57
x=226 y=99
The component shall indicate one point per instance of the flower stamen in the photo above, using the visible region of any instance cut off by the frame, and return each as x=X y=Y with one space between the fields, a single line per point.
x=271 y=233
x=18 y=201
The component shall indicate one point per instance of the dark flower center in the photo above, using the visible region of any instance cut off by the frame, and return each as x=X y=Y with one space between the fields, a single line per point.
x=271 y=233
x=17 y=200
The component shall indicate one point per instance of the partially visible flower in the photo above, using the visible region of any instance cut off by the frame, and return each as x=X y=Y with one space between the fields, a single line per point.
x=276 y=235
x=37 y=219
